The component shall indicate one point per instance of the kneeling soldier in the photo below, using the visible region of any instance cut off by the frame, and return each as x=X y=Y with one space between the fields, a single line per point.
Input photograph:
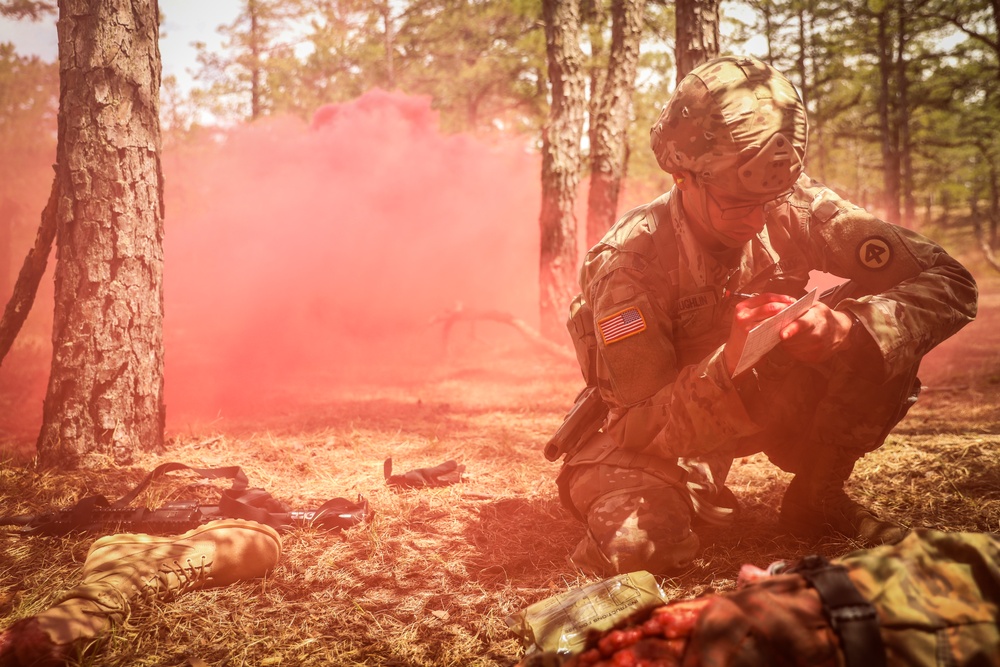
x=669 y=295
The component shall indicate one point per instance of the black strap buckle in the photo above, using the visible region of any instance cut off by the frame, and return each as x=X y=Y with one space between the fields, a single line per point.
x=851 y=616
x=851 y=613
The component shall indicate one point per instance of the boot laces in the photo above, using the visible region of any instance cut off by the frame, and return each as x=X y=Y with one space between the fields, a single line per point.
x=175 y=576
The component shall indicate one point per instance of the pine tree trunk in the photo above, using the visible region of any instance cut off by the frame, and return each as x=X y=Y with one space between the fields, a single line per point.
x=7 y=218
x=560 y=164
x=994 y=190
x=22 y=295
x=105 y=392
x=609 y=134
x=909 y=213
x=256 y=60
x=697 y=33
x=890 y=136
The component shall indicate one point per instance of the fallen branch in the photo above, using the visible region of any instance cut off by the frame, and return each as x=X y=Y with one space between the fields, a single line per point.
x=460 y=314
x=30 y=276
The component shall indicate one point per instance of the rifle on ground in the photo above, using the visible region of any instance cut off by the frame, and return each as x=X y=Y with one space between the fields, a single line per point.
x=95 y=514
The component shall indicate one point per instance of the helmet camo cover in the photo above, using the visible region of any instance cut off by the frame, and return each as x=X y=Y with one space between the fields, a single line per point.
x=735 y=123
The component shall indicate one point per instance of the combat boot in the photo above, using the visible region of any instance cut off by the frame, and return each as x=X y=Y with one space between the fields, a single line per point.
x=121 y=568
x=815 y=504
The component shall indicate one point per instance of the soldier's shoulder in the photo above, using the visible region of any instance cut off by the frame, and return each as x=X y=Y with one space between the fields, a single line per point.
x=633 y=231
x=628 y=244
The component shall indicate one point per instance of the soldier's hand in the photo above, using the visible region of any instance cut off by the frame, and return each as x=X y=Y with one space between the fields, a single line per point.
x=748 y=314
x=816 y=335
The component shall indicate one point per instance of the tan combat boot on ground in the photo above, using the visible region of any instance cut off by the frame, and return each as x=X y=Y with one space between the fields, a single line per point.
x=815 y=504
x=121 y=568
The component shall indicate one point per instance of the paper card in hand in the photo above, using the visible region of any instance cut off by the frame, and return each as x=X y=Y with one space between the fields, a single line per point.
x=763 y=337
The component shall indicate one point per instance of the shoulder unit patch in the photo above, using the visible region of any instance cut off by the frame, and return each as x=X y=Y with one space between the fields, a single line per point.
x=621 y=325
x=875 y=253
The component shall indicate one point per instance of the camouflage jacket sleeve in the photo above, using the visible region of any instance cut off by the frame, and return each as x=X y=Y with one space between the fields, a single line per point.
x=916 y=295
x=656 y=406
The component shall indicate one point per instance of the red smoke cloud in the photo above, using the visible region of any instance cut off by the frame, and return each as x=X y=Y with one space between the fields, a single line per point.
x=295 y=251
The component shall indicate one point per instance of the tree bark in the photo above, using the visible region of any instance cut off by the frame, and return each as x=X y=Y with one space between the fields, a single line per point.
x=987 y=236
x=7 y=222
x=697 y=33
x=560 y=164
x=385 y=9
x=909 y=213
x=817 y=114
x=105 y=392
x=887 y=130
x=609 y=132
x=26 y=287
x=256 y=62
x=994 y=190
x=800 y=57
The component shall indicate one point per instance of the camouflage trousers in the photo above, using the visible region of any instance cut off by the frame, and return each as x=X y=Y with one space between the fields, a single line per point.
x=802 y=409
x=814 y=420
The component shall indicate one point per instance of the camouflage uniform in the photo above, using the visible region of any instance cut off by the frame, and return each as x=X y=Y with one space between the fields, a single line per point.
x=654 y=306
x=932 y=600
x=936 y=596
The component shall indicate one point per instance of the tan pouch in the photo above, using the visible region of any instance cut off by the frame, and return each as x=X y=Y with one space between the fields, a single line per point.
x=561 y=623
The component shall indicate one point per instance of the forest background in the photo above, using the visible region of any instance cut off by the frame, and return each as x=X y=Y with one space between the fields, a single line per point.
x=352 y=192
x=903 y=104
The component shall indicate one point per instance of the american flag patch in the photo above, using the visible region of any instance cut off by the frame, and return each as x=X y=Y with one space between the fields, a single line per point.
x=622 y=324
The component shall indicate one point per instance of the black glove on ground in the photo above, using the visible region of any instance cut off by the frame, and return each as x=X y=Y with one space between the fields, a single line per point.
x=444 y=474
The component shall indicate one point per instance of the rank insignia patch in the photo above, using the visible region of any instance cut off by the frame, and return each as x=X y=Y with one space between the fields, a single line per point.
x=874 y=253
x=621 y=325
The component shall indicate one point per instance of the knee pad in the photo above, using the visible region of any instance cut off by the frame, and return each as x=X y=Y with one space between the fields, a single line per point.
x=638 y=529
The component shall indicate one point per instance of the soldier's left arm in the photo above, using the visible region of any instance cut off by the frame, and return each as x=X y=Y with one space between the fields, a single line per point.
x=915 y=294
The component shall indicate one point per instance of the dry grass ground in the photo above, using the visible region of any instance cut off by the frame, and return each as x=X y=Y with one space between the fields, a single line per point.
x=432 y=578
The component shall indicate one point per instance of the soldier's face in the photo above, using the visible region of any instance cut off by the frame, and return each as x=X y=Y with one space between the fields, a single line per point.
x=736 y=220
x=732 y=221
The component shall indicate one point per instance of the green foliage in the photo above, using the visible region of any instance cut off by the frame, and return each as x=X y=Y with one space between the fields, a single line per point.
x=940 y=58
x=28 y=98
x=482 y=63
x=237 y=82
x=35 y=10
x=29 y=94
x=654 y=83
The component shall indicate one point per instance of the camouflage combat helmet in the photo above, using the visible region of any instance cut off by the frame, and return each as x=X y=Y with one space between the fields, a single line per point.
x=736 y=123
